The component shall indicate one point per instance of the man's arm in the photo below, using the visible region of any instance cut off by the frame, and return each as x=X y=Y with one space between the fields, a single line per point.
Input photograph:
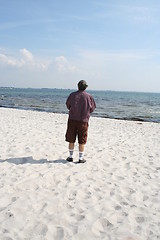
x=93 y=104
x=68 y=102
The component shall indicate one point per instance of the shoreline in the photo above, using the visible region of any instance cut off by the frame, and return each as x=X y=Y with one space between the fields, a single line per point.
x=114 y=105
x=134 y=119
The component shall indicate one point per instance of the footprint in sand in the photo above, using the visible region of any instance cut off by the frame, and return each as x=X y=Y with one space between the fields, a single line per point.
x=138 y=229
x=120 y=178
x=9 y=214
x=131 y=191
x=112 y=193
x=118 y=207
x=145 y=198
x=59 y=233
x=81 y=211
x=14 y=199
x=79 y=217
x=124 y=214
x=101 y=226
x=127 y=165
x=41 y=229
x=124 y=203
x=72 y=195
x=140 y=219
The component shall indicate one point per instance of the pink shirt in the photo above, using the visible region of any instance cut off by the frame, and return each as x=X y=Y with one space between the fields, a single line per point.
x=80 y=105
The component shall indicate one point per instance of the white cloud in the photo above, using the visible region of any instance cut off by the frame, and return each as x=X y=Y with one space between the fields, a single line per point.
x=26 y=59
x=11 y=61
x=63 y=65
x=26 y=54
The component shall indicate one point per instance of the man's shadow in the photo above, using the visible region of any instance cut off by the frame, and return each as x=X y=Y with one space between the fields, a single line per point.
x=30 y=160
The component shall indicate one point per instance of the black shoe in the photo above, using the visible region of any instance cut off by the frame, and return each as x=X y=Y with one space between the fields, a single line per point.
x=69 y=159
x=82 y=161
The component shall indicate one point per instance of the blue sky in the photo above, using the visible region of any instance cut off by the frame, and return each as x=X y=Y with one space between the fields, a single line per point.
x=113 y=45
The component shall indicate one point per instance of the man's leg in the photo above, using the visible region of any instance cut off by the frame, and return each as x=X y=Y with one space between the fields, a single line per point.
x=82 y=139
x=81 y=147
x=71 y=137
x=71 y=149
x=81 y=153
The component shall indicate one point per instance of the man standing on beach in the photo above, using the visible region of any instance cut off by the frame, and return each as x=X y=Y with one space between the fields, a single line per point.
x=80 y=105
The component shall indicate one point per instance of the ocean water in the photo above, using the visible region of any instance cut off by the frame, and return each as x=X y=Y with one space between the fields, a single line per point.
x=110 y=104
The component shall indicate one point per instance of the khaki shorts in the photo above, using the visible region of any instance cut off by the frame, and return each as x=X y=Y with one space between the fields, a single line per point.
x=77 y=128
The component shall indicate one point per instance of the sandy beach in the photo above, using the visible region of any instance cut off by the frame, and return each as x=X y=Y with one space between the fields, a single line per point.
x=115 y=195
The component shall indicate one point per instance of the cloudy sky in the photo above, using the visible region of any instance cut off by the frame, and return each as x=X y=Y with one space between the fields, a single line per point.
x=114 y=45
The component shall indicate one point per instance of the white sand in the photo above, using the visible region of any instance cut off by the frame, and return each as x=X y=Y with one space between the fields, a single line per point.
x=114 y=196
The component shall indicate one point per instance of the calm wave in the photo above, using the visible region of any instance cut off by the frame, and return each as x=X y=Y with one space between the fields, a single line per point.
x=110 y=104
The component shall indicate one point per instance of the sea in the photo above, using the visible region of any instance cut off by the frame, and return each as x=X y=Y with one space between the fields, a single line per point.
x=135 y=106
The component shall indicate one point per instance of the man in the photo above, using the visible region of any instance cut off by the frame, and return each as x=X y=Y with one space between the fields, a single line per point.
x=80 y=105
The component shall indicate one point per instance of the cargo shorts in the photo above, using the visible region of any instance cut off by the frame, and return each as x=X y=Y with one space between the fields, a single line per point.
x=77 y=128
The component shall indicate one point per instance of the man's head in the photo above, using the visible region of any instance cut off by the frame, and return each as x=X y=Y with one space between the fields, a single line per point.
x=82 y=85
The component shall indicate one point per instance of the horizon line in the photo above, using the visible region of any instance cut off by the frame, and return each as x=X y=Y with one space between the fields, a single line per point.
x=73 y=89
